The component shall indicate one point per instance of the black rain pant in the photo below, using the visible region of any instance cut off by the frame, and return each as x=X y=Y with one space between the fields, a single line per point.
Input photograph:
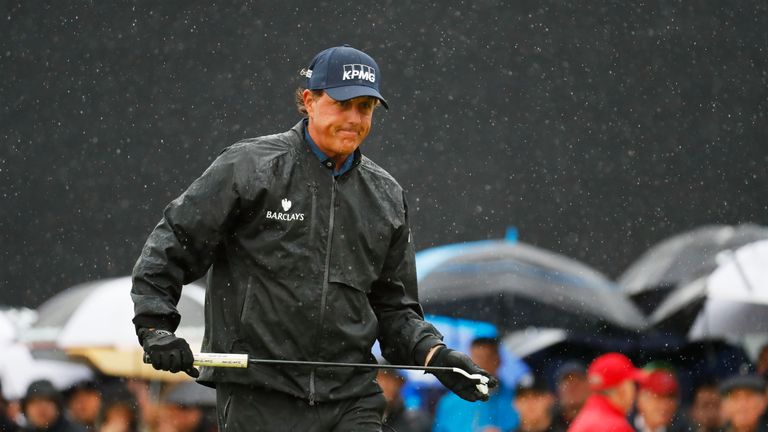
x=242 y=408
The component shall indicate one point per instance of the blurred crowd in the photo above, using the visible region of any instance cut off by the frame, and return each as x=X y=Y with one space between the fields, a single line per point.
x=111 y=405
x=608 y=394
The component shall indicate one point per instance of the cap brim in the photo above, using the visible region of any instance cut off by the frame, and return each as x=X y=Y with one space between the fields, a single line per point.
x=641 y=376
x=351 y=92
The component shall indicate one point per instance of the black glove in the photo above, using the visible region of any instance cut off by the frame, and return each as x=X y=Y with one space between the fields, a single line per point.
x=167 y=352
x=456 y=382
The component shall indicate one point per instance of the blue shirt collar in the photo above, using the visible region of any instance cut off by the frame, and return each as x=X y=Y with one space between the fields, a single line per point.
x=346 y=166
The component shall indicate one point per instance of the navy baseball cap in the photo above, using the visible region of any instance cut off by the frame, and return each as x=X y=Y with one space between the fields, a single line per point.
x=345 y=73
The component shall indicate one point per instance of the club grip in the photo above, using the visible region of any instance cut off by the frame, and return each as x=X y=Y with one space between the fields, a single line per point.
x=216 y=360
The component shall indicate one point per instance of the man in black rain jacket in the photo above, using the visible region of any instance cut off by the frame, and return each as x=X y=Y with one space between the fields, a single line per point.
x=309 y=256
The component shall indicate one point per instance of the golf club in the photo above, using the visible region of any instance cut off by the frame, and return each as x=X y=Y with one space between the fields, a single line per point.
x=243 y=360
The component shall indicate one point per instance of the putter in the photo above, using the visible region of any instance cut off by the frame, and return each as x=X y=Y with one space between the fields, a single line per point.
x=242 y=361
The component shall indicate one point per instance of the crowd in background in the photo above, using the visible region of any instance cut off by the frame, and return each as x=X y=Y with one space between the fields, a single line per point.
x=649 y=402
x=111 y=405
x=649 y=399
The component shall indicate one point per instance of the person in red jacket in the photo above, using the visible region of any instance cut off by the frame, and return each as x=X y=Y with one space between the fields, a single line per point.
x=612 y=379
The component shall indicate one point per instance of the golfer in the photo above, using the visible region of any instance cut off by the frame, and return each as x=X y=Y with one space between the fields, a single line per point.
x=309 y=257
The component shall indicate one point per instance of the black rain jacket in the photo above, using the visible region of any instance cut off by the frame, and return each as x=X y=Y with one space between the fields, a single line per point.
x=301 y=265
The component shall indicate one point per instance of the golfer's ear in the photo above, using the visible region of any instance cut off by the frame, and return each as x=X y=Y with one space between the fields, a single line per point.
x=309 y=100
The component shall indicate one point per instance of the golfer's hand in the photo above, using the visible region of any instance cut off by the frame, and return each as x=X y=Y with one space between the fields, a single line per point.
x=168 y=352
x=464 y=387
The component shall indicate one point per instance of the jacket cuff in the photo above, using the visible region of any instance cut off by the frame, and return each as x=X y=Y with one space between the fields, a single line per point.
x=153 y=322
x=422 y=348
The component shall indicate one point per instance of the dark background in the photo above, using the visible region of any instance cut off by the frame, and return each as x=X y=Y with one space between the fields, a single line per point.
x=596 y=128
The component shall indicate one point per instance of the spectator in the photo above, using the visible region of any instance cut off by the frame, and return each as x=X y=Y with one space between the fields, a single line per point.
x=84 y=403
x=534 y=402
x=743 y=403
x=184 y=409
x=704 y=413
x=572 y=390
x=657 y=404
x=42 y=407
x=395 y=414
x=148 y=407
x=762 y=362
x=612 y=379
x=6 y=423
x=119 y=411
x=457 y=415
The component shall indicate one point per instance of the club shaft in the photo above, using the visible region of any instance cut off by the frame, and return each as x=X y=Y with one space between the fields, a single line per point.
x=352 y=365
x=242 y=360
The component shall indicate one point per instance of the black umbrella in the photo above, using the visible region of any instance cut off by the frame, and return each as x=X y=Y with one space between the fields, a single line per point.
x=681 y=259
x=515 y=286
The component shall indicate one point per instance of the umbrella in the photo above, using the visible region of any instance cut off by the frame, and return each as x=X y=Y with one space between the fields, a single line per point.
x=7 y=330
x=681 y=259
x=18 y=369
x=514 y=286
x=93 y=320
x=730 y=303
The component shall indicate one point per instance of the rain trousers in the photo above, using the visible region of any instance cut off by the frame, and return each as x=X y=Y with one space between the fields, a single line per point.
x=301 y=265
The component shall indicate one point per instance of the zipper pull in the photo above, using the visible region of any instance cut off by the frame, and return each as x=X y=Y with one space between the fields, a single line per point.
x=311 y=399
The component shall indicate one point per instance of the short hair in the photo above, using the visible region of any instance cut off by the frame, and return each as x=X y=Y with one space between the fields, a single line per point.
x=299 y=98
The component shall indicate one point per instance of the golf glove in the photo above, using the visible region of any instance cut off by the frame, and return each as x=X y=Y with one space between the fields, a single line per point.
x=457 y=383
x=168 y=352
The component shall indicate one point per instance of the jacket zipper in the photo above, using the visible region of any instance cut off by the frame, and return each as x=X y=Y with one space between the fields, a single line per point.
x=326 y=275
x=313 y=188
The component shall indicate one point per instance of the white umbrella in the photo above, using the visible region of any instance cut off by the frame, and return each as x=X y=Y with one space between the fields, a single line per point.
x=99 y=314
x=737 y=295
x=93 y=320
x=18 y=368
x=7 y=330
x=523 y=343
x=733 y=299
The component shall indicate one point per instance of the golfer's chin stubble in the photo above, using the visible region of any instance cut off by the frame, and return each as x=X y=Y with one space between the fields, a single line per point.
x=345 y=144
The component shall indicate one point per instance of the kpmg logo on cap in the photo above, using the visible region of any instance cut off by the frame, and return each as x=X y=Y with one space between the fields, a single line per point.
x=359 y=71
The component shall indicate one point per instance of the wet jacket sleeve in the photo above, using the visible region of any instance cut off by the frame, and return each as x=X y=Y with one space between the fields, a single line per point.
x=404 y=336
x=181 y=247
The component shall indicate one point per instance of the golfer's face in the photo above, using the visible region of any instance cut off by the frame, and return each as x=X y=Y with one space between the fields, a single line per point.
x=339 y=127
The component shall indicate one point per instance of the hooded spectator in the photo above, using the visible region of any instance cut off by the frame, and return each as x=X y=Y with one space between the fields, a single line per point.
x=42 y=407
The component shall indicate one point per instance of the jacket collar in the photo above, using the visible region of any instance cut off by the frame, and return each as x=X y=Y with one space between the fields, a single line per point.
x=298 y=135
